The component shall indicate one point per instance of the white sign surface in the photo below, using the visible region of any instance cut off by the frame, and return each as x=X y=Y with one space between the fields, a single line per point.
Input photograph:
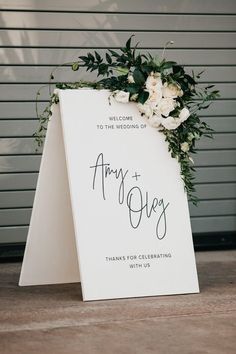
x=130 y=214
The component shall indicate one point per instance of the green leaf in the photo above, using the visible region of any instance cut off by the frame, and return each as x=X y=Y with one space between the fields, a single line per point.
x=168 y=64
x=84 y=58
x=139 y=77
x=138 y=60
x=216 y=93
x=75 y=66
x=91 y=57
x=190 y=79
x=147 y=69
x=98 y=57
x=102 y=69
x=114 y=54
x=178 y=69
x=122 y=70
x=128 y=43
x=108 y=58
x=133 y=88
x=143 y=96
x=199 y=74
x=156 y=61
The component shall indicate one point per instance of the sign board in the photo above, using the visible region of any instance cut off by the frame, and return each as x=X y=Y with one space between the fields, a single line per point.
x=110 y=208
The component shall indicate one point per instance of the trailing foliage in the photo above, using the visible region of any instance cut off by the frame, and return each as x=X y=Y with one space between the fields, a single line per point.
x=166 y=96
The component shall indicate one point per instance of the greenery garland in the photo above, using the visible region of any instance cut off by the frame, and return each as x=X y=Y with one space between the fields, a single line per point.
x=167 y=97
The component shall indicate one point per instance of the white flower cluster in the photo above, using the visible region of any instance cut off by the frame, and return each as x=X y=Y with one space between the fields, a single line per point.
x=160 y=103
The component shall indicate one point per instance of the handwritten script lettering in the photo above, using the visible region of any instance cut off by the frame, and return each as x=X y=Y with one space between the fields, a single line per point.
x=138 y=202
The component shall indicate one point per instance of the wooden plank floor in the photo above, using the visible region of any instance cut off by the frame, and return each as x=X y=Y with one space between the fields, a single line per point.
x=53 y=319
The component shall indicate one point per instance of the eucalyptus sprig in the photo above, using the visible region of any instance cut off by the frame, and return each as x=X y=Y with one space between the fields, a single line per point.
x=167 y=97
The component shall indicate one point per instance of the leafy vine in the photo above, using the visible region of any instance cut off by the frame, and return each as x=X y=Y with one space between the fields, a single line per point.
x=166 y=96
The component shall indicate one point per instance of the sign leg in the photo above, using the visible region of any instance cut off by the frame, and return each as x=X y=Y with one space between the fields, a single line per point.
x=50 y=254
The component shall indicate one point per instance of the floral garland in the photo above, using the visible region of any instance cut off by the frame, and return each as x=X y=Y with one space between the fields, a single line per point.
x=166 y=96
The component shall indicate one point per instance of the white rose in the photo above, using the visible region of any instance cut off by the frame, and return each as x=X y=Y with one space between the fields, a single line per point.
x=155 y=97
x=184 y=114
x=121 y=96
x=153 y=82
x=166 y=105
x=155 y=121
x=130 y=79
x=134 y=97
x=171 y=91
x=171 y=123
x=145 y=109
x=184 y=147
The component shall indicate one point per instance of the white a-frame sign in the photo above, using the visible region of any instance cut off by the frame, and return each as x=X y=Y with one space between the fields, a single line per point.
x=110 y=208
